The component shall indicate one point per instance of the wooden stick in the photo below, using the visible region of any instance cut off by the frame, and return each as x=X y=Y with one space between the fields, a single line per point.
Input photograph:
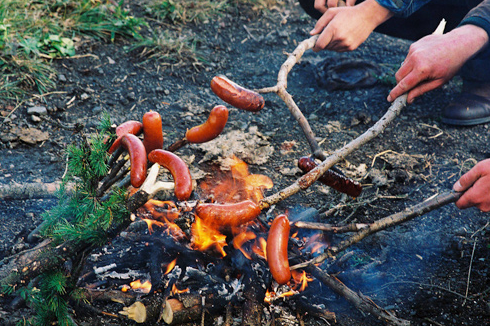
x=360 y=301
x=20 y=191
x=389 y=221
x=309 y=178
x=353 y=227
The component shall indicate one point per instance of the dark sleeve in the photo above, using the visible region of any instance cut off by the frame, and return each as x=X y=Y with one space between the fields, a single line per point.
x=479 y=16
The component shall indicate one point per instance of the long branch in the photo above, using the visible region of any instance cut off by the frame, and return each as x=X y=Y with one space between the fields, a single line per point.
x=389 y=221
x=309 y=178
x=360 y=301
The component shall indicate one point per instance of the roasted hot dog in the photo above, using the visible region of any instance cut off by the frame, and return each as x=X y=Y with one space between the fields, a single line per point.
x=228 y=215
x=237 y=95
x=137 y=157
x=179 y=170
x=152 y=131
x=277 y=249
x=128 y=127
x=331 y=178
x=209 y=130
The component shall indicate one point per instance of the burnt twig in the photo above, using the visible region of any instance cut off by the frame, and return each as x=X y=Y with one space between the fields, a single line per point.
x=360 y=301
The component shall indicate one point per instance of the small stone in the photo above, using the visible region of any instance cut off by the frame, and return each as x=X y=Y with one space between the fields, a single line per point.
x=62 y=78
x=37 y=110
x=131 y=96
x=84 y=96
x=166 y=92
x=111 y=61
x=35 y=118
x=97 y=109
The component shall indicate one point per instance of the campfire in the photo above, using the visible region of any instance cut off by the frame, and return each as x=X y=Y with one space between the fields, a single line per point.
x=193 y=251
x=217 y=261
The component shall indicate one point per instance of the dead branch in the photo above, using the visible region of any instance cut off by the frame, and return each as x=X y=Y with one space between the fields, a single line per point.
x=353 y=227
x=21 y=191
x=309 y=178
x=384 y=223
x=328 y=162
x=360 y=301
x=280 y=90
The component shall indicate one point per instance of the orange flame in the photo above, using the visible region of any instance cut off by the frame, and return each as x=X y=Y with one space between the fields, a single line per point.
x=162 y=210
x=272 y=296
x=144 y=287
x=315 y=243
x=170 y=266
x=241 y=186
x=151 y=223
x=204 y=237
x=259 y=247
x=240 y=239
x=177 y=291
x=301 y=280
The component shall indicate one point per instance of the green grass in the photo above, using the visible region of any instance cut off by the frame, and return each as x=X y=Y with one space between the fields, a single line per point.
x=34 y=32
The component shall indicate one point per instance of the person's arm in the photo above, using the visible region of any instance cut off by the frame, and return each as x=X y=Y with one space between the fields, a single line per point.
x=476 y=185
x=345 y=28
x=435 y=59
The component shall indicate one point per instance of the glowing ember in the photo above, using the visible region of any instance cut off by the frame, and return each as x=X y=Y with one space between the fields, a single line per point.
x=240 y=239
x=170 y=266
x=205 y=237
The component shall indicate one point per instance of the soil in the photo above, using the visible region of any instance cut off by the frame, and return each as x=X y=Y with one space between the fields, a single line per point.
x=431 y=271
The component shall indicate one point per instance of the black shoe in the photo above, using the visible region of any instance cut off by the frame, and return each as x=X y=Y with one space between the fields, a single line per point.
x=470 y=108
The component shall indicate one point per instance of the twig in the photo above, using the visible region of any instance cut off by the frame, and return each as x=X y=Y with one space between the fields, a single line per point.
x=392 y=220
x=469 y=273
x=360 y=301
x=20 y=191
x=308 y=179
x=280 y=90
x=353 y=227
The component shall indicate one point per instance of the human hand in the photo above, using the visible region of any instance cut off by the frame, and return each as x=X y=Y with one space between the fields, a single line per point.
x=345 y=28
x=323 y=5
x=435 y=59
x=476 y=184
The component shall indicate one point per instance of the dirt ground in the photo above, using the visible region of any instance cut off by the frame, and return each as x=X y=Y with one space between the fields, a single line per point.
x=431 y=271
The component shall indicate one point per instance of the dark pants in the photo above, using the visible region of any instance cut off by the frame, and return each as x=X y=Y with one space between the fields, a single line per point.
x=423 y=22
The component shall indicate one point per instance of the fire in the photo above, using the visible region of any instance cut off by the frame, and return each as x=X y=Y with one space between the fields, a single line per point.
x=301 y=280
x=205 y=237
x=144 y=287
x=315 y=243
x=240 y=239
x=177 y=291
x=170 y=266
x=241 y=186
x=151 y=223
x=272 y=296
x=163 y=214
x=259 y=247
x=162 y=210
